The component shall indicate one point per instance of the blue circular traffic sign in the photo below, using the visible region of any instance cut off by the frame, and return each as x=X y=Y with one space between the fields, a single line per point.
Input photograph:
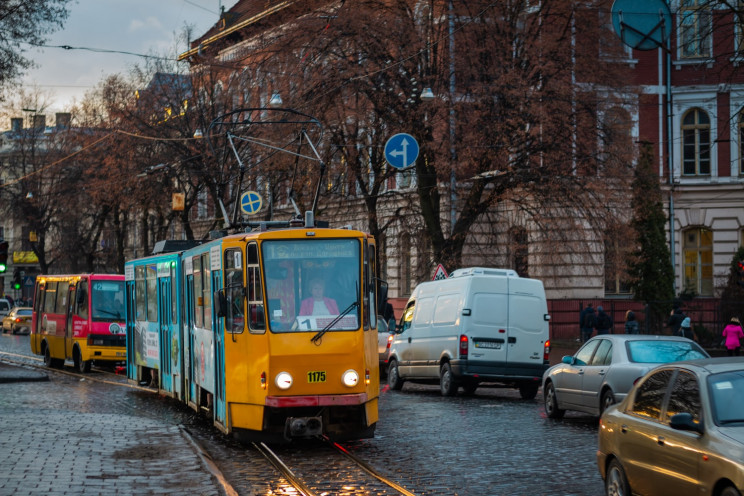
x=251 y=202
x=401 y=150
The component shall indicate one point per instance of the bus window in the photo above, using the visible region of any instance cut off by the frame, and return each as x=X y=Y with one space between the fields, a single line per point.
x=139 y=293
x=151 y=281
x=50 y=299
x=107 y=301
x=81 y=305
x=63 y=288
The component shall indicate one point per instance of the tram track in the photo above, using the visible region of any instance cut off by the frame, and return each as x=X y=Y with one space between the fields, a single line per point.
x=317 y=479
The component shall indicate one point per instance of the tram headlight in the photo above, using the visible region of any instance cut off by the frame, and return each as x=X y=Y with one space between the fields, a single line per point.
x=283 y=380
x=350 y=378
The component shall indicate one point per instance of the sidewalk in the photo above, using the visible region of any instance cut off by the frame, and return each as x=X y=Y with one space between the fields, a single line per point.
x=63 y=435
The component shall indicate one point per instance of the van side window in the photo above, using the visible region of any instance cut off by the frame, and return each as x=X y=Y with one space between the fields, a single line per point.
x=445 y=311
x=424 y=312
x=407 y=318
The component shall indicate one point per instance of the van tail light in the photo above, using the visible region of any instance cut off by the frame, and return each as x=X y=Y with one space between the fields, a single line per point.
x=546 y=351
x=389 y=341
x=463 y=346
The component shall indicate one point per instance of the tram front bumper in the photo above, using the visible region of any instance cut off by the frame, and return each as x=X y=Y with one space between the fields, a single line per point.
x=315 y=400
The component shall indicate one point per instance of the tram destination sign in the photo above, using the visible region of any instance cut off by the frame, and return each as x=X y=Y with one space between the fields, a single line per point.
x=317 y=248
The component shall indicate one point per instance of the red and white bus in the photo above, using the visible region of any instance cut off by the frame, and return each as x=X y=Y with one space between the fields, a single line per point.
x=80 y=318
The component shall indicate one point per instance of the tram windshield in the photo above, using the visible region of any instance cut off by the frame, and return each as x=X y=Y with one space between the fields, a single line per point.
x=312 y=283
x=108 y=301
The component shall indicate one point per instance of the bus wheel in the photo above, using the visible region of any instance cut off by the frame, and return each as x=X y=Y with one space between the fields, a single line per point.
x=47 y=357
x=82 y=366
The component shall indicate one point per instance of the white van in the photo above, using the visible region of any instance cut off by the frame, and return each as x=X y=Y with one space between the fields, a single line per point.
x=4 y=307
x=480 y=325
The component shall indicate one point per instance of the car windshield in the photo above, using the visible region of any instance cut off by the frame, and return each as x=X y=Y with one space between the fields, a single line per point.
x=727 y=401
x=662 y=351
x=108 y=301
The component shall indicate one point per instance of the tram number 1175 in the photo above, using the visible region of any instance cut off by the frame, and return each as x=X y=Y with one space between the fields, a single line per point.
x=316 y=376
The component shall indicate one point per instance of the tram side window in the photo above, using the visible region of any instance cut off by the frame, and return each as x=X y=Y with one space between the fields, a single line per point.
x=234 y=318
x=207 y=291
x=139 y=293
x=202 y=292
x=372 y=288
x=151 y=280
x=174 y=296
x=50 y=299
x=254 y=292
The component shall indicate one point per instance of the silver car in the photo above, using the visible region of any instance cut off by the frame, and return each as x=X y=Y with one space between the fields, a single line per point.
x=679 y=431
x=606 y=367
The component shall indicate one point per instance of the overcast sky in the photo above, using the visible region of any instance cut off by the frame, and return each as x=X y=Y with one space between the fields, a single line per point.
x=137 y=26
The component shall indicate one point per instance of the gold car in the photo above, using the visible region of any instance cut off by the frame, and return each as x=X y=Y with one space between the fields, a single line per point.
x=18 y=320
x=679 y=431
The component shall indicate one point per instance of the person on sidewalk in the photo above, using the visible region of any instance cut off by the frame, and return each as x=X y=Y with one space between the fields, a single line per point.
x=685 y=329
x=675 y=320
x=733 y=334
x=604 y=322
x=586 y=322
x=631 y=324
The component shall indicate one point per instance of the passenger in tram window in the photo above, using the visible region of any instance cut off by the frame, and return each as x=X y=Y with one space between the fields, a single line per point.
x=318 y=304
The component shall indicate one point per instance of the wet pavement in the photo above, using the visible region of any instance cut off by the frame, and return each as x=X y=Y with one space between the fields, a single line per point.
x=62 y=435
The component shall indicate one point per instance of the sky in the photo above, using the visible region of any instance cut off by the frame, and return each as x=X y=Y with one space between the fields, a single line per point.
x=137 y=26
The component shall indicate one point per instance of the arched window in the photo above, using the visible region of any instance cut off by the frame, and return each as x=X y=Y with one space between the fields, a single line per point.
x=697 y=250
x=519 y=251
x=696 y=143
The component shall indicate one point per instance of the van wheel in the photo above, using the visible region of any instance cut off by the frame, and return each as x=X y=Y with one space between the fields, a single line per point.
x=447 y=384
x=551 y=402
x=528 y=390
x=470 y=387
x=394 y=380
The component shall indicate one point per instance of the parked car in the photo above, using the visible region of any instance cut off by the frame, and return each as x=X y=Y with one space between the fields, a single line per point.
x=18 y=321
x=5 y=307
x=679 y=431
x=384 y=338
x=604 y=369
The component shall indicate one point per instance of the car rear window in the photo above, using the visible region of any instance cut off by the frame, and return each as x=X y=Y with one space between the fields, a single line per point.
x=23 y=312
x=658 y=351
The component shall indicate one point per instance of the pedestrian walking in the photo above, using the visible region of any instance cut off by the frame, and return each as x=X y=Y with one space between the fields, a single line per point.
x=733 y=334
x=604 y=322
x=685 y=329
x=675 y=320
x=586 y=322
x=631 y=324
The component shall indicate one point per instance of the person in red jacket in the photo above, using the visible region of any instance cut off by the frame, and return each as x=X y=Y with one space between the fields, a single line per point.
x=318 y=304
x=733 y=334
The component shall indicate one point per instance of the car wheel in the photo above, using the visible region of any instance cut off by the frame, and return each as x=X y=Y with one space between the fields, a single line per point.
x=608 y=399
x=394 y=380
x=551 y=402
x=528 y=390
x=12 y=330
x=447 y=384
x=616 y=483
x=730 y=491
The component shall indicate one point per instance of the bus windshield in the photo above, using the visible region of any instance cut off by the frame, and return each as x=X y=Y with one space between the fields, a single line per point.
x=312 y=282
x=107 y=301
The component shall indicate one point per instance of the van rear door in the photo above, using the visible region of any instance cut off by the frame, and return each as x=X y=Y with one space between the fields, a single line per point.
x=528 y=327
x=487 y=330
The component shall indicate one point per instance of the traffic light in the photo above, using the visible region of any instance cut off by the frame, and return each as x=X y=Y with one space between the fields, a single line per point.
x=740 y=271
x=3 y=256
x=17 y=279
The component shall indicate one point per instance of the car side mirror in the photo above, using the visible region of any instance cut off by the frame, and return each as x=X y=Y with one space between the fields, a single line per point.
x=568 y=359
x=684 y=422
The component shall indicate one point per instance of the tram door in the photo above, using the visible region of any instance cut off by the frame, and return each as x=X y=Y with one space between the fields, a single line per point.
x=219 y=339
x=164 y=318
x=71 y=296
x=188 y=326
x=129 y=312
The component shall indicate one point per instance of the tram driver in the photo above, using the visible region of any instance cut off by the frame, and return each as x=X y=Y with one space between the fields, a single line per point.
x=318 y=303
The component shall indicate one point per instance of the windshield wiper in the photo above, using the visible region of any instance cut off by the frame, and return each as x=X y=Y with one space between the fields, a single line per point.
x=320 y=333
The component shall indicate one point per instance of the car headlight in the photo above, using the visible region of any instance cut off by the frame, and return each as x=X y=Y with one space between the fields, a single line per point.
x=350 y=378
x=283 y=380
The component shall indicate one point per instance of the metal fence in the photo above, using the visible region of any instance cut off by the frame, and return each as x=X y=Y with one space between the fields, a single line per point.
x=706 y=315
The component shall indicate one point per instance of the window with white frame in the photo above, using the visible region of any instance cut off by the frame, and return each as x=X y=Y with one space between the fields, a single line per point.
x=697 y=250
x=696 y=143
x=694 y=29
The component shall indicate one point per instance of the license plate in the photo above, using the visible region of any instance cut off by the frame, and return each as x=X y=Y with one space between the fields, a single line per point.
x=488 y=344
x=316 y=376
x=121 y=353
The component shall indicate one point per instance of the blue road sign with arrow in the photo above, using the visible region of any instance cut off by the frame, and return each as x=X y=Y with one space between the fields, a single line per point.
x=401 y=150
x=251 y=202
